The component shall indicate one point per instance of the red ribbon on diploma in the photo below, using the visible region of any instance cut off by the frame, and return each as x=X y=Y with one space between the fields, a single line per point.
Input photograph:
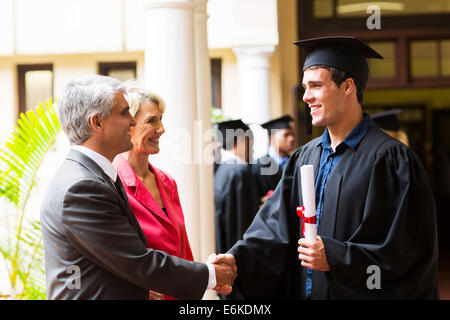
x=269 y=193
x=301 y=214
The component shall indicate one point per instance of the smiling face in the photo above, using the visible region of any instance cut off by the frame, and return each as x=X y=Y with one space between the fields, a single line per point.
x=149 y=128
x=116 y=128
x=325 y=99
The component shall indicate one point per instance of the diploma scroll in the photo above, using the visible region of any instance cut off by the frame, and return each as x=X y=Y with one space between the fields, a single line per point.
x=308 y=211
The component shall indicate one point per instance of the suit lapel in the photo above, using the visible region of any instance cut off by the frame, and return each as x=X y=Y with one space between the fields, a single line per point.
x=146 y=199
x=90 y=164
x=140 y=192
x=128 y=211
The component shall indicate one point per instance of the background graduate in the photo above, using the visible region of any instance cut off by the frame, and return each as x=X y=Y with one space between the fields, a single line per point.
x=375 y=209
x=235 y=198
x=388 y=121
x=268 y=168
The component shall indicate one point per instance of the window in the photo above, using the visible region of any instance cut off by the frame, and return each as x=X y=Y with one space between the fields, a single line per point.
x=323 y=8
x=423 y=58
x=358 y=8
x=216 y=82
x=35 y=83
x=348 y=8
x=430 y=58
x=445 y=56
x=122 y=71
x=382 y=68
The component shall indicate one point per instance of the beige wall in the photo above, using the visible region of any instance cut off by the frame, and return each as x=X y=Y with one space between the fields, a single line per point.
x=7 y=105
x=230 y=99
x=65 y=67
x=230 y=86
x=288 y=52
x=242 y=23
x=7 y=35
x=74 y=36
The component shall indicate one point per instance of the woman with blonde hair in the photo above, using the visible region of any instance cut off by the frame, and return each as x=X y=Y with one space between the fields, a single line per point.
x=152 y=193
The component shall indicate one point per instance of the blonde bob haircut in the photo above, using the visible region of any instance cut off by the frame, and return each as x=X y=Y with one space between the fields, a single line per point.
x=136 y=96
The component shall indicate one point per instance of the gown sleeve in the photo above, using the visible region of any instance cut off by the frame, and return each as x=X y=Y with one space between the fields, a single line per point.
x=397 y=234
x=264 y=257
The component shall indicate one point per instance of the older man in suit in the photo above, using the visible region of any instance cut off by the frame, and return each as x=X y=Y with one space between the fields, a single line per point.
x=94 y=247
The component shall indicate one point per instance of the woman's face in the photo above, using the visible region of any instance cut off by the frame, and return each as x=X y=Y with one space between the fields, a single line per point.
x=145 y=135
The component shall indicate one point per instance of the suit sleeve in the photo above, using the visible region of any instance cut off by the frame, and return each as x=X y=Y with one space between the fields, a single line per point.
x=95 y=225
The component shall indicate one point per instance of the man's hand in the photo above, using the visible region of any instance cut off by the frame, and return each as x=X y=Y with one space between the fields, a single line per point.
x=226 y=271
x=312 y=254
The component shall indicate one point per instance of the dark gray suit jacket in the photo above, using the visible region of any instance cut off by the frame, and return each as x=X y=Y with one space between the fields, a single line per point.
x=94 y=247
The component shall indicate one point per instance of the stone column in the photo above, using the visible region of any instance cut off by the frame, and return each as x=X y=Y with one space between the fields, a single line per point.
x=254 y=89
x=170 y=72
x=203 y=144
x=204 y=103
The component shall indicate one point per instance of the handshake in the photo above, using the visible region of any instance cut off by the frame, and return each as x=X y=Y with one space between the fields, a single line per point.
x=226 y=271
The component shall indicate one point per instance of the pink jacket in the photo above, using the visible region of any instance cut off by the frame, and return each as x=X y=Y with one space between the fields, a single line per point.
x=166 y=233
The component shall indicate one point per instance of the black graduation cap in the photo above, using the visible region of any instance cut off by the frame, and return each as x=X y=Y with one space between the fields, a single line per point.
x=278 y=123
x=344 y=53
x=387 y=120
x=231 y=129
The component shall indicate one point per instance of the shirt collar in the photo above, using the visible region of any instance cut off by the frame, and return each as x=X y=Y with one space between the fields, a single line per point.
x=275 y=156
x=227 y=155
x=354 y=137
x=100 y=160
x=124 y=169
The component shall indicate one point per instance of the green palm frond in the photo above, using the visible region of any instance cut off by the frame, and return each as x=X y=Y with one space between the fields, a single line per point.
x=20 y=239
x=35 y=134
x=217 y=115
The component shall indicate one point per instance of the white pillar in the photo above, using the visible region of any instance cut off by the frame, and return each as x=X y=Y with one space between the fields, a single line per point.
x=204 y=103
x=170 y=72
x=254 y=82
x=254 y=90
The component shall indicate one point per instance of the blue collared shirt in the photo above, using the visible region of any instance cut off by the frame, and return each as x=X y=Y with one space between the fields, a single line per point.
x=328 y=161
x=281 y=161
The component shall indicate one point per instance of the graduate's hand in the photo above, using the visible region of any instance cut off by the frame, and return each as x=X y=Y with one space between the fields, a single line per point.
x=226 y=271
x=153 y=295
x=312 y=254
x=264 y=199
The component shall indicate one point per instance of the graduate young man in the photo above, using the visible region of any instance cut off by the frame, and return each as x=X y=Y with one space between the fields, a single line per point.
x=268 y=168
x=376 y=216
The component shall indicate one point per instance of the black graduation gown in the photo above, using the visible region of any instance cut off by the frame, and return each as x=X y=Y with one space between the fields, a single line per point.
x=378 y=210
x=236 y=203
x=265 y=181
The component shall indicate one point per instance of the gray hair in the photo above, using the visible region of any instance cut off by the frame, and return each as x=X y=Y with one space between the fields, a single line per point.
x=82 y=98
x=136 y=96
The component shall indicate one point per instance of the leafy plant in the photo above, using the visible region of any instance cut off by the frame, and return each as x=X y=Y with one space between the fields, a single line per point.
x=20 y=237
x=217 y=115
